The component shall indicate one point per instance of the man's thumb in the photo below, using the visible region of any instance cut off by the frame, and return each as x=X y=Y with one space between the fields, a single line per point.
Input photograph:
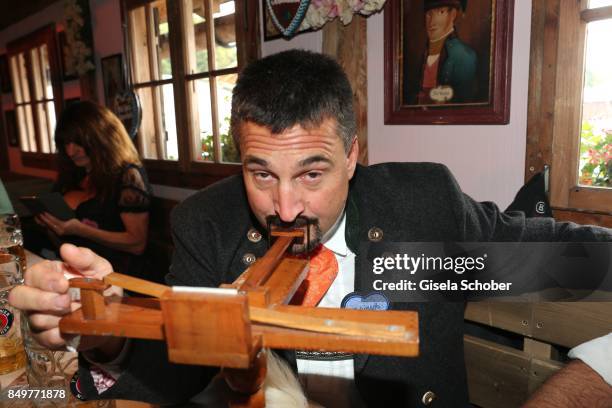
x=85 y=261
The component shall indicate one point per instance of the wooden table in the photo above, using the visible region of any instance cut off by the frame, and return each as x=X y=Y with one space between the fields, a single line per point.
x=18 y=378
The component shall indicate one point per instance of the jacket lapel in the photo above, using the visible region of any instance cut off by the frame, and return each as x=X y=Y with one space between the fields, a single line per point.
x=352 y=233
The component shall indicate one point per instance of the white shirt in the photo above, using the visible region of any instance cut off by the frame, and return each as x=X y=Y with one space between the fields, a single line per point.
x=597 y=354
x=330 y=382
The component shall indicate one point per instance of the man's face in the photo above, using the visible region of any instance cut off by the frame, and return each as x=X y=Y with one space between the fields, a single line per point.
x=439 y=21
x=296 y=173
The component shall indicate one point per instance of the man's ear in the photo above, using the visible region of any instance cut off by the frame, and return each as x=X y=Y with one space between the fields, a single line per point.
x=351 y=158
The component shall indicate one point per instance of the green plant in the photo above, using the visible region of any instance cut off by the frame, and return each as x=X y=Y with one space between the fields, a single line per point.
x=595 y=156
x=229 y=153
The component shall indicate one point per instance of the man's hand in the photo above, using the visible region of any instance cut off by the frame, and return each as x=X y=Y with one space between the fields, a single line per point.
x=45 y=298
x=574 y=386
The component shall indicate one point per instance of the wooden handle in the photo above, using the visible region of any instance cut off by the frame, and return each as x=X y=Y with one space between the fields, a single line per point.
x=323 y=325
x=261 y=270
x=137 y=285
x=88 y=283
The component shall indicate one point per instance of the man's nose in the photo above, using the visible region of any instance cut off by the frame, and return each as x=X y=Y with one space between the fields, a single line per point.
x=288 y=204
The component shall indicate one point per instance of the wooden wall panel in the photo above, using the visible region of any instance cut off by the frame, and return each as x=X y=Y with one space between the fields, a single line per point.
x=348 y=45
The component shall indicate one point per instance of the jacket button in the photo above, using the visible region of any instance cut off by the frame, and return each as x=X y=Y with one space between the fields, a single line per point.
x=375 y=234
x=253 y=235
x=428 y=398
x=248 y=259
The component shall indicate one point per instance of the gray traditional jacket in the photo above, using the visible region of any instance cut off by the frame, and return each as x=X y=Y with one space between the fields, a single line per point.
x=215 y=240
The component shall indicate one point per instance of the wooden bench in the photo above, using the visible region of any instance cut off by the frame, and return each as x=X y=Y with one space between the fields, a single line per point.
x=501 y=376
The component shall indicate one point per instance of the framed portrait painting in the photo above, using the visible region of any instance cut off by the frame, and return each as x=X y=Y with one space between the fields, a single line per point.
x=448 y=61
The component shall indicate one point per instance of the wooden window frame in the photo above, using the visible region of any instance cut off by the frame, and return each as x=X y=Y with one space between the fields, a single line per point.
x=44 y=35
x=185 y=172
x=555 y=106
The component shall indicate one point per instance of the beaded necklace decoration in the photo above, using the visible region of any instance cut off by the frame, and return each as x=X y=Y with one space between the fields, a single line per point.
x=295 y=21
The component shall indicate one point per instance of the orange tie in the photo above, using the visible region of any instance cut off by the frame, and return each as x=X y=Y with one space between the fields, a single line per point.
x=323 y=270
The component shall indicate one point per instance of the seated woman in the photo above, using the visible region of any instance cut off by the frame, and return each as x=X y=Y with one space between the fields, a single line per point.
x=101 y=177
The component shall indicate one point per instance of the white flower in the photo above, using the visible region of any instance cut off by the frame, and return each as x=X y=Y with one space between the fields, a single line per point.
x=321 y=11
x=78 y=54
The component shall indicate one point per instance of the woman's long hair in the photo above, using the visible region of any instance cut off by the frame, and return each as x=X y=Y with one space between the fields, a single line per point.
x=105 y=141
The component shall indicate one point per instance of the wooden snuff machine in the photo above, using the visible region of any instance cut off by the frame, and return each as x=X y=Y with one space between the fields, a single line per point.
x=242 y=318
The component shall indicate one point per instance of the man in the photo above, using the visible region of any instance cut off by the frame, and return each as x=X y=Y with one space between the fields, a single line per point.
x=293 y=120
x=448 y=73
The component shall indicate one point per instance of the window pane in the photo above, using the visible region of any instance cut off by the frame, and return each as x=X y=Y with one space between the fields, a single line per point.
x=26 y=128
x=202 y=106
x=223 y=14
x=150 y=42
x=139 y=45
x=160 y=19
x=47 y=86
x=36 y=74
x=23 y=77
x=204 y=143
x=226 y=55
x=22 y=127
x=157 y=138
x=169 y=122
x=225 y=84
x=43 y=130
x=599 y=3
x=16 y=80
x=51 y=124
x=596 y=136
x=197 y=39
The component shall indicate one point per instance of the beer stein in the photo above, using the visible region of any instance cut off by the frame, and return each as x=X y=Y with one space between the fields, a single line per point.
x=12 y=354
x=11 y=242
x=10 y=220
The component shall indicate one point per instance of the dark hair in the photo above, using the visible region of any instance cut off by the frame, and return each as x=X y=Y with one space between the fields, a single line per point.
x=294 y=87
x=105 y=140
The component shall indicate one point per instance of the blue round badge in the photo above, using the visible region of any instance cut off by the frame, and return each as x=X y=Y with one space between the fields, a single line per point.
x=373 y=301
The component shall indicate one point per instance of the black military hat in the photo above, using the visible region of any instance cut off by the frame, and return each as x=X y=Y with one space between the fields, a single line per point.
x=432 y=4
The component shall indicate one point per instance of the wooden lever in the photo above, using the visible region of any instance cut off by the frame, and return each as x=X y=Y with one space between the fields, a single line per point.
x=266 y=265
x=92 y=296
x=326 y=325
x=136 y=285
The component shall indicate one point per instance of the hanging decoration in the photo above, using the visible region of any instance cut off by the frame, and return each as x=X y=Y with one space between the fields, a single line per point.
x=291 y=16
x=287 y=15
x=78 y=51
x=322 y=11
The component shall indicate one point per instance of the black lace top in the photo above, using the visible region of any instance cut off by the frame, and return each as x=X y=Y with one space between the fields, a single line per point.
x=132 y=195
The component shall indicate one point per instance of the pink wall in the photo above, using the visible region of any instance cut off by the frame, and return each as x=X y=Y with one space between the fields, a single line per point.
x=107 y=33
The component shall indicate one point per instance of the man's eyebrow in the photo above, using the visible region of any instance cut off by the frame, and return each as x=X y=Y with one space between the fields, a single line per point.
x=314 y=159
x=255 y=160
